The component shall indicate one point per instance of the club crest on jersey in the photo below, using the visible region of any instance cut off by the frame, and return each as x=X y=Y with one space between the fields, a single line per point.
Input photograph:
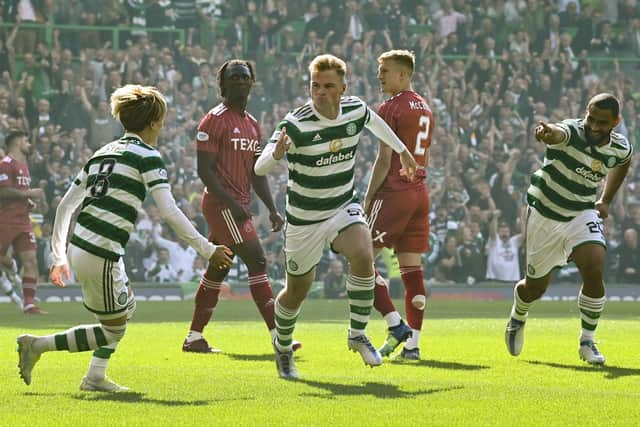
x=335 y=145
x=162 y=173
x=122 y=298
x=293 y=266
x=596 y=165
x=351 y=129
x=202 y=136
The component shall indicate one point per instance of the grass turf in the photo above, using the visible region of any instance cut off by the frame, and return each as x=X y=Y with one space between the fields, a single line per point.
x=466 y=376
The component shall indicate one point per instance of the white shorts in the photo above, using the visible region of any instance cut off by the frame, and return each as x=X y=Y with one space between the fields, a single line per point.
x=550 y=243
x=105 y=285
x=304 y=244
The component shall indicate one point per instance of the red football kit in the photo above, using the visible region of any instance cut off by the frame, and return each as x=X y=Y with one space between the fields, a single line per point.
x=235 y=137
x=15 y=224
x=399 y=213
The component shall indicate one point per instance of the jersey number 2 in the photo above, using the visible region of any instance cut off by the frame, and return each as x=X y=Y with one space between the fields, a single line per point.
x=101 y=185
x=423 y=135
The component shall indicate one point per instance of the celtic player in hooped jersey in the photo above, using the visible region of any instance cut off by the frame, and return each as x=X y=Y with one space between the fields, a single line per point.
x=565 y=215
x=109 y=190
x=320 y=140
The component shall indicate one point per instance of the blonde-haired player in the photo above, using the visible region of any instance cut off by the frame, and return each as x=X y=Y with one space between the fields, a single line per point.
x=109 y=190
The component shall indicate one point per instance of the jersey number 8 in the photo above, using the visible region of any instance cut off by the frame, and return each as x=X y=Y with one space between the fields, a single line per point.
x=101 y=184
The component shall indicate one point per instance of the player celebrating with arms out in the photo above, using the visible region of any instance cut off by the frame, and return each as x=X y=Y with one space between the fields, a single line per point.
x=109 y=190
x=565 y=218
x=320 y=140
x=397 y=208
x=228 y=141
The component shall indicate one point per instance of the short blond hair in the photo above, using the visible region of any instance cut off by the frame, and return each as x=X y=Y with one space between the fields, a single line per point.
x=328 y=62
x=403 y=57
x=136 y=107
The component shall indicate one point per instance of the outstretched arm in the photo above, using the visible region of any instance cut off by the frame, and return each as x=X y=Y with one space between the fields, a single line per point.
x=217 y=254
x=272 y=153
x=550 y=134
x=386 y=135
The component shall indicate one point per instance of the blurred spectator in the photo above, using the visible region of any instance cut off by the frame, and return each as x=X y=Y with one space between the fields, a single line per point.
x=628 y=258
x=335 y=281
x=162 y=271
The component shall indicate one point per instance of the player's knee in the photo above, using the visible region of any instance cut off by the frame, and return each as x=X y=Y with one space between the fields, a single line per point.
x=419 y=301
x=257 y=265
x=114 y=333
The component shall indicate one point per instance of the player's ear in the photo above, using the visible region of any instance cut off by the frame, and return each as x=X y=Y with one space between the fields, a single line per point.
x=344 y=88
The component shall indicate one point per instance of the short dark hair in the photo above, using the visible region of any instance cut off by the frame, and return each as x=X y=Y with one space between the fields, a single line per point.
x=13 y=136
x=606 y=101
x=223 y=68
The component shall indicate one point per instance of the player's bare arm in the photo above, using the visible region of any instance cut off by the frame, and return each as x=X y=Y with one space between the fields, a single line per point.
x=613 y=182
x=13 y=193
x=548 y=133
x=380 y=171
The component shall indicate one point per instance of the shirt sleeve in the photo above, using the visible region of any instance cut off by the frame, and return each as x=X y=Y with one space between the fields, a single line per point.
x=384 y=132
x=179 y=223
x=265 y=162
x=6 y=175
x=209 y=134
x=154 y=172
x=67 y=206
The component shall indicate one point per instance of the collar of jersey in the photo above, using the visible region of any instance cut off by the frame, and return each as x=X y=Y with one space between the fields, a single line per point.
x=315 y=111
x=128 y=136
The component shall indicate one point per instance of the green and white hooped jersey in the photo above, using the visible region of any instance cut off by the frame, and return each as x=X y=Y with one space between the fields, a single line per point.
x=321 y=159
x=568 y=181
x=116 y=180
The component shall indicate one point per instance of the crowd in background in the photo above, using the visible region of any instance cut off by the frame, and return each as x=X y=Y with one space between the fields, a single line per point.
x=490 y=70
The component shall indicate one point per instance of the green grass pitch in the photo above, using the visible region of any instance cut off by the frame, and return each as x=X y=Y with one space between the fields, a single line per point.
x=466 y=376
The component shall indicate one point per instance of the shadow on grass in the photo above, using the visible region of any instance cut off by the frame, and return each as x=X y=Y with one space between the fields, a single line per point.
x=379 y=390
x=251 y=357
x=611 y=372
x=455 y=366
x=138 y=398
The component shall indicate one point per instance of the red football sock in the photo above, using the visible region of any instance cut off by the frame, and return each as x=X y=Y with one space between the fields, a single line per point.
x=382 y=300
x=206 y=301
x=29 y=285
x=414 y=290
x=263 y=297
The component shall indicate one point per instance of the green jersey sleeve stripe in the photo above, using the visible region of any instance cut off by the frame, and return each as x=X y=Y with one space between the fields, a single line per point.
x=150 y=163
x=557 y=198
x=158 y=182
x=330 y=181
x=103 y=228
x=312 y=203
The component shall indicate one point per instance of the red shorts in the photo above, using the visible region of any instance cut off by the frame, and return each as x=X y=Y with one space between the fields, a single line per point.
x=224 y=229
x=400 y=220
x=18 y=237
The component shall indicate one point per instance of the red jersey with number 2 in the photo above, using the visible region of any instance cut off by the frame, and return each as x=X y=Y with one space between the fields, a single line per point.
x=408 y=114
